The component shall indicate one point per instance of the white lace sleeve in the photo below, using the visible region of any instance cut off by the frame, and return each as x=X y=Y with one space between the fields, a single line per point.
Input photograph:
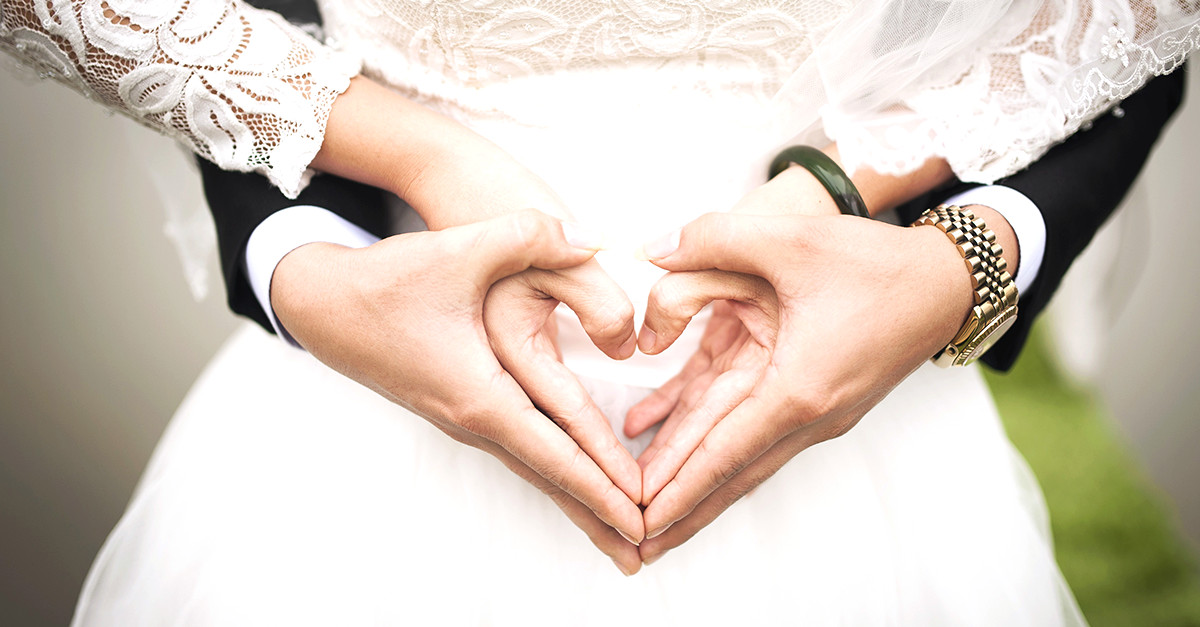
x=990 y=86
x=241 y=87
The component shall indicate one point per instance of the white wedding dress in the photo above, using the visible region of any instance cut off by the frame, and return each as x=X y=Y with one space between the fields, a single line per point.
x=283 y=493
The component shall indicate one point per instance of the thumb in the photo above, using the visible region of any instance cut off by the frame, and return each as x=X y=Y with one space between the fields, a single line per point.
x=506 y=245
x=678 y=296
x=722 y=241
x=601 y=305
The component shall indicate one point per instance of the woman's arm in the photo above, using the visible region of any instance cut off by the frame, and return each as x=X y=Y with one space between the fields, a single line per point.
x=240 y=87
x=248 y=91
x=449 y=174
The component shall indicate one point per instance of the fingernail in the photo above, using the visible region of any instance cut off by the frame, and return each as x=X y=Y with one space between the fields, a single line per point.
x=646 y=339
x=658 y=532
x=628 y=538
x=581 y=236
x=628 y=347
x=653 y=558
x=624 y=571
x=663 y=246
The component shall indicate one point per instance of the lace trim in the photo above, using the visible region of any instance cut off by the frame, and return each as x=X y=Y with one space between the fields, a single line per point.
x=240 y=87
x=987 y=128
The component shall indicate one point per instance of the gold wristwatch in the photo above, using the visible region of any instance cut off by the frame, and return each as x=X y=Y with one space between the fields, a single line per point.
x=995 y=308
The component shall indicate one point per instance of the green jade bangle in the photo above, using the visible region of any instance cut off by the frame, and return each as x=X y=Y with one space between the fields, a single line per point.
x=831 y=177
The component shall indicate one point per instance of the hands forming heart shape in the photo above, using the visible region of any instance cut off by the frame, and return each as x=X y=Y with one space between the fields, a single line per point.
x=794 y=354
x=817 y=317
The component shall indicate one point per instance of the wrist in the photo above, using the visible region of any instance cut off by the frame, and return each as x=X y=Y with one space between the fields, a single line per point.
x=945 y=276
x=447 y=172
x=882 y=192
x=305 y=284
x=464 y=185
x=994 y=295
x=1005 y=235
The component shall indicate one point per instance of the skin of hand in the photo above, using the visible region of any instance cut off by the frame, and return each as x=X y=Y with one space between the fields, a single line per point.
x=405 y=317
x=874 y=301
x=452 y=176
x=447 y=172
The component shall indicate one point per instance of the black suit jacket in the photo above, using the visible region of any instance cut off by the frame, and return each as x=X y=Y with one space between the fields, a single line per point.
x=1076 y=185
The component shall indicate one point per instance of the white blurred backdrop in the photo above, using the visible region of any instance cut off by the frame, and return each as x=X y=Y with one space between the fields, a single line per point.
x=101 y=337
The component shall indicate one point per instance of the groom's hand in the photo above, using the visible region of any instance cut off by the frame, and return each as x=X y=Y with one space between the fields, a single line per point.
x=404 y=317
x=518 y=315
x=853 y=306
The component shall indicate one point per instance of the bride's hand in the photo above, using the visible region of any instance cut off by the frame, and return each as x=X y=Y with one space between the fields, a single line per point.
x=404 y=317
x=730 y=359
x=860 y=305
x=518 y=315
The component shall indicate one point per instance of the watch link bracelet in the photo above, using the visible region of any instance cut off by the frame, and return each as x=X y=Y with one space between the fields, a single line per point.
x=995 y=308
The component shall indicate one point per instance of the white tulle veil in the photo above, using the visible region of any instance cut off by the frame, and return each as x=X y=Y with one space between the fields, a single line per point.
x=989 y=86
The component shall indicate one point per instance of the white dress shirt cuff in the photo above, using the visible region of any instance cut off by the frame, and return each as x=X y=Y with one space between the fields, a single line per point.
x=1026 y=221
x=285 y=231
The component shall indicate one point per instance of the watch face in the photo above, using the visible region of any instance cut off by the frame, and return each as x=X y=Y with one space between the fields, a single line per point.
x=992 y=334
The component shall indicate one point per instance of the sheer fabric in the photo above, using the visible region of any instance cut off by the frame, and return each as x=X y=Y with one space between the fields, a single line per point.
x=285 y=494
x=240 y=87
x=987 y=85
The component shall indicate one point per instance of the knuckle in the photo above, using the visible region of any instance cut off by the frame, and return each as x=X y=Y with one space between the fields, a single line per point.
x=669 y=294
x=556 y=494
x=726 y=498
x=474 y=421
x=529 y=227
x=475 y=417
x=807 y=405
x=613 y=320
x=559 y=474
x=723 y=467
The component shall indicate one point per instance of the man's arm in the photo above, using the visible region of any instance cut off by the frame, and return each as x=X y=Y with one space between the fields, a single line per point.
x=240 y=202
x=1077 y=185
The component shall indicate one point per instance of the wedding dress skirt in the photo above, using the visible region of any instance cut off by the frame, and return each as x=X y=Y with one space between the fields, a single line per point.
x=285 y=494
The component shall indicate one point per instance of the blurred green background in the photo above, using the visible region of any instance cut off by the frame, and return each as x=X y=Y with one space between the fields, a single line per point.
x=1116 y=537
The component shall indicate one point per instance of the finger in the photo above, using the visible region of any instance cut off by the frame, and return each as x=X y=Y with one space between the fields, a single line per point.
x=687 y=400
x=503 y=246
x=558 y=393
x=658 y=405
x=509 y=419
x=678 y=296
x=516 y=323
x=722 y=498
x=623 y=553
x=726 y=392
x=601 y=305
x=722 y=331
x=723 y=336
x=723 y=241
x=732 y=445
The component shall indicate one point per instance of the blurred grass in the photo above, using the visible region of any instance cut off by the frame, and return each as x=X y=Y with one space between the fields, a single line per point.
x=1116 y=539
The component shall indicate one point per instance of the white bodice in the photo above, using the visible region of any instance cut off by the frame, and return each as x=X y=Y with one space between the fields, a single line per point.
x=987 y=85
x=642 y=114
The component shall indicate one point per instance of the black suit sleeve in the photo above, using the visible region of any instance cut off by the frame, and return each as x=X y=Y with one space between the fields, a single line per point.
x=1077 y=185
x=240 y=202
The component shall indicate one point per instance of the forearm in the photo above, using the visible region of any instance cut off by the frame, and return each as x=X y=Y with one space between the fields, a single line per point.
x=243 y=89
x=934 y=265
x=882 y=192
x=448 y=173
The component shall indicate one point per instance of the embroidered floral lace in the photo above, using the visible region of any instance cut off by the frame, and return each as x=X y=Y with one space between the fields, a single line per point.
x=241 y=87
x=988 y=85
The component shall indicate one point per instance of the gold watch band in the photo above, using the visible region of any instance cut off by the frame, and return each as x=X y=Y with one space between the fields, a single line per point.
x=995 y=305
